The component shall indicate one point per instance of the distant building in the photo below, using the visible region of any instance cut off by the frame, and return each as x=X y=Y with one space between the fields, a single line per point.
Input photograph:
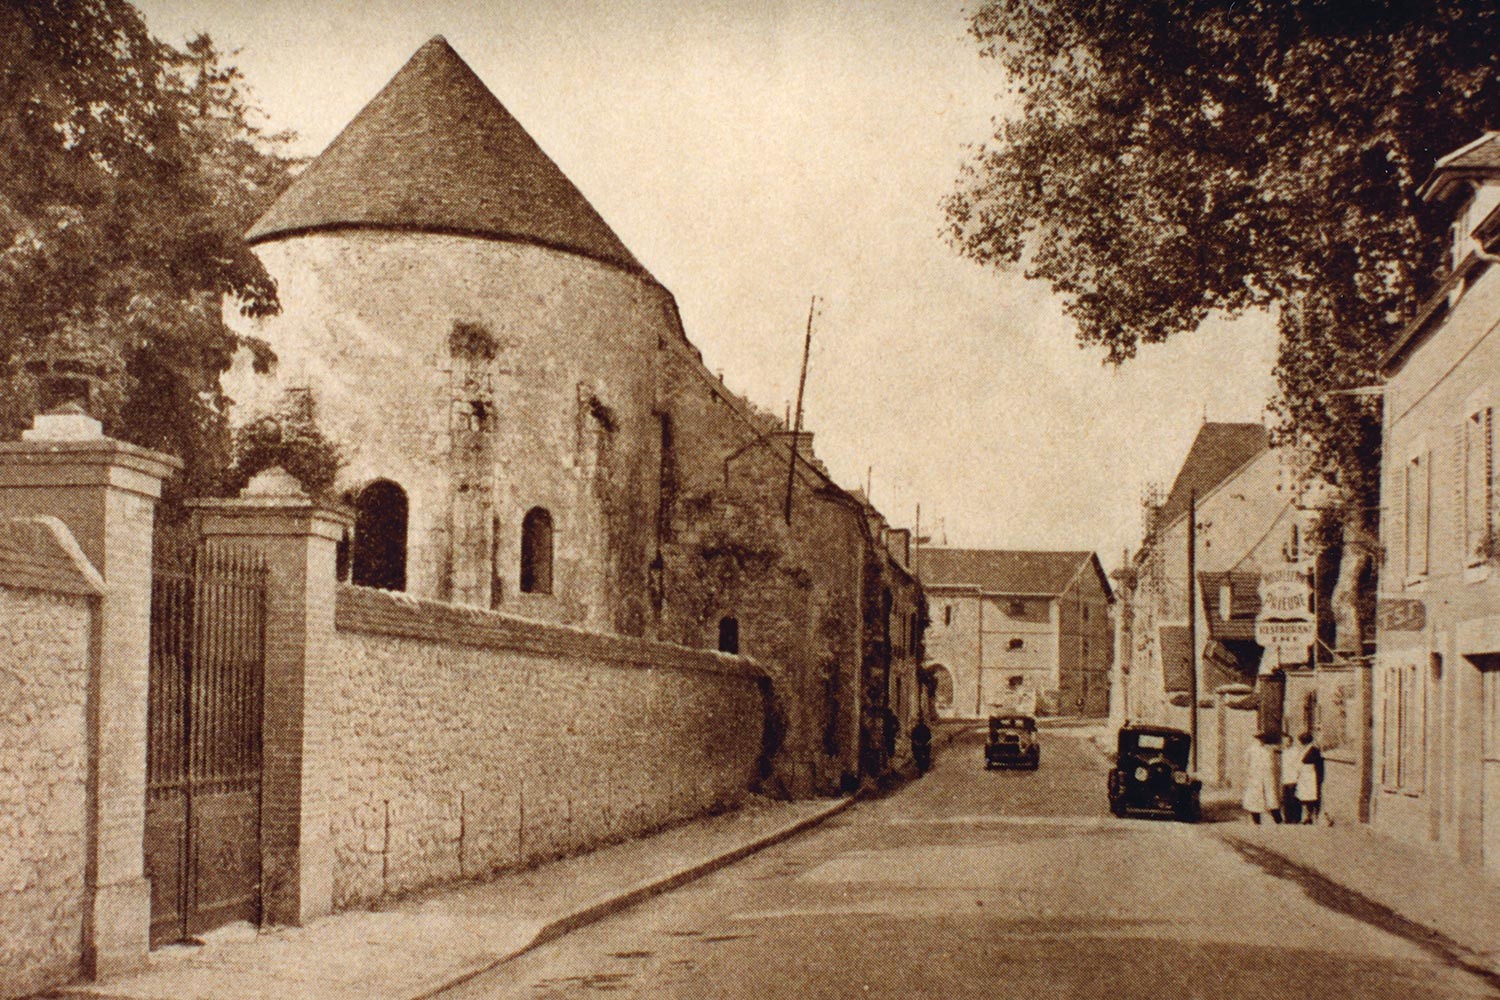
x=1436 y=685
x=1009 y=629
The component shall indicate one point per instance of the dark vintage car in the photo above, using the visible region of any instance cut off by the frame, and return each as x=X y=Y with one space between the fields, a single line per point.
x=1012 y=742
x=1151 y=774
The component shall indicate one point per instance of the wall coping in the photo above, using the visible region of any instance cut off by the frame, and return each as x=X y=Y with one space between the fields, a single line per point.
x=383 y=612
x=39 y=553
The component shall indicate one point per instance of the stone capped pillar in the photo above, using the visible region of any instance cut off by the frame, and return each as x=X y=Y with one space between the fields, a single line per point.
x=298 y=538
x=105 y=491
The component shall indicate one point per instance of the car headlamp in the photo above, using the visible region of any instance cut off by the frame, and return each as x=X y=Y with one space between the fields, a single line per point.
x=1140 y=774
x=1181 y=777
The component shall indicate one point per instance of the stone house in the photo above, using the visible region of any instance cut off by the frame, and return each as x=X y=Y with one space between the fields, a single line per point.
x=1017 y=629
x=1435 y=765
x=525 y=426
x=1252 y=515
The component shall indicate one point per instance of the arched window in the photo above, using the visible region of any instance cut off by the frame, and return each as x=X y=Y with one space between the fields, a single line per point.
x=536 y=552
x=497 y=592
x=729 y=635
x=942 y=689
x=379 y=556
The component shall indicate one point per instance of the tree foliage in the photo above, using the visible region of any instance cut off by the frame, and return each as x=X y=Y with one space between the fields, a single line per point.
x=129 y=169
x=1163 y=160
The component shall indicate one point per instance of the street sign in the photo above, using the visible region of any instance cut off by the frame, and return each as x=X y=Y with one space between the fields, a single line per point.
x=1294 y=635
x=1285 y=626
x=1284 y=593
x=1401 y=614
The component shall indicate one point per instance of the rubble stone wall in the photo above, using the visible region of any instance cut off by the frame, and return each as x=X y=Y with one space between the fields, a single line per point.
x=44 y=667
x=549 y=406
x=466 y=742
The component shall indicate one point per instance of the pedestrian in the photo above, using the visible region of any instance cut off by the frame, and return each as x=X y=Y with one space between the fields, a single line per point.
x=1262 y=787
x=1310 y=780
x=921 y=745
x=1291 y=765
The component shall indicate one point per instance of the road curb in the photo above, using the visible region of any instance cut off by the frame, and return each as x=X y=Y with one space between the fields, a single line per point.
x=599 y=909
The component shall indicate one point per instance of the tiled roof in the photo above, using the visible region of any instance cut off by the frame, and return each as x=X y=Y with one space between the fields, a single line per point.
x=1244 y=604
x=1479 y=159
x=39 y=554
x=1217 y=452
x=1000 y=571
x=1176 y=658
x=435 y=151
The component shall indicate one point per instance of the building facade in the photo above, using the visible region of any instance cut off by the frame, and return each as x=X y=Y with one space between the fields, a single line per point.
x=1251 y=516
x=1017 y=630
x=1436 y=714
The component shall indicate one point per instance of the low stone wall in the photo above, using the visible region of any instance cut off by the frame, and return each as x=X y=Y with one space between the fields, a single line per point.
x=465 y=742
x=44 y=674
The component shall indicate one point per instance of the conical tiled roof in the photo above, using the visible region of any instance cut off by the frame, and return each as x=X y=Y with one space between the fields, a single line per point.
x=435 y=151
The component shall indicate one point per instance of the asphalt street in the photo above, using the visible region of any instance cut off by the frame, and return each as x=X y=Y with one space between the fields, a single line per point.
x=968 y=883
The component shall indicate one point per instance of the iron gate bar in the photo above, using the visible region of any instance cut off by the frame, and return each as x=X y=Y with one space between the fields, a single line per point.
x=204 y=753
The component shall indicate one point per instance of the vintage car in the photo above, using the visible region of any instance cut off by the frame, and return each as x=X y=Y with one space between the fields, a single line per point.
x=1012 y=742
x=1151 y=774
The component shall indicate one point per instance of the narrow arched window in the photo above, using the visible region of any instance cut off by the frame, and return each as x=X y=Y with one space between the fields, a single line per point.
x=536 y=552
x=379 y=556
x=729 y=635
x=497 y=592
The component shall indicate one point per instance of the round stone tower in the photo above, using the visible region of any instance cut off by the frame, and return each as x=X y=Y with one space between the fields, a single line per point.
x=479 y=344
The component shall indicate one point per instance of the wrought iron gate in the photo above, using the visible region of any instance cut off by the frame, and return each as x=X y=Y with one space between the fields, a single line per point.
x=203 y=763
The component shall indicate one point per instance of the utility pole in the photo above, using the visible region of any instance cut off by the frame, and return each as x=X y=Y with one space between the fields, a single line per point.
x=791 y=472
x=1192 y=612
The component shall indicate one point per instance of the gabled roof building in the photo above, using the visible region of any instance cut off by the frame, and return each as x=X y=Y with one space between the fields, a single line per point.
x=1017 y=630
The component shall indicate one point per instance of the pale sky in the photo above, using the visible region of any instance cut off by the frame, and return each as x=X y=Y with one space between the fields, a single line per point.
x=753 y=154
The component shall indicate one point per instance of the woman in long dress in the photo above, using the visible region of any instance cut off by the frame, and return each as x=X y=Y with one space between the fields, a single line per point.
x=1262 y=788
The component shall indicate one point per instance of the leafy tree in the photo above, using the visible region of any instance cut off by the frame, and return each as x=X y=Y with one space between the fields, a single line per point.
x=1169 y=159
x=129 y=169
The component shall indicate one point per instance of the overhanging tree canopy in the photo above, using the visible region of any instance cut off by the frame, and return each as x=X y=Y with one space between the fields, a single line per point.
x=1166 y=159
x=128 y=171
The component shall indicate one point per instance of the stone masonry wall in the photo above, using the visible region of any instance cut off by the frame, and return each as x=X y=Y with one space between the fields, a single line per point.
x=795 y=591
x=554 y=412
x=44 y=650
x=467 y=741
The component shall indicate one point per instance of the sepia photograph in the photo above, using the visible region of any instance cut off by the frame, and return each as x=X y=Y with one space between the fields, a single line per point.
x=557 y=499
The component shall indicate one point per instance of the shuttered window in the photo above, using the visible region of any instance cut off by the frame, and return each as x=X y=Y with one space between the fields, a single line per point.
x=1418 y=513
x=1479 y=486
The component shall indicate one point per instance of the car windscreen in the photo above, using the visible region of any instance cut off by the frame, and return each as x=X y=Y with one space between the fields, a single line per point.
x=1172 y=746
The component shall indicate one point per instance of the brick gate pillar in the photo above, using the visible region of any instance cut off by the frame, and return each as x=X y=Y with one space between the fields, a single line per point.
x=298 y=538
x=105 y=491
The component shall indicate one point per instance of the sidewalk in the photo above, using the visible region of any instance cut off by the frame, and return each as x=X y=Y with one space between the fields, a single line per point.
x=418 y=946
x=1419 y=894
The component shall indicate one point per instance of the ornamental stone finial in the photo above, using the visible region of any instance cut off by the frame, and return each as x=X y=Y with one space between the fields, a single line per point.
x=274 y=482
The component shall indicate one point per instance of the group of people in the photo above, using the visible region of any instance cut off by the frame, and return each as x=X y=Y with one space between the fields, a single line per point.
x=1283 y=778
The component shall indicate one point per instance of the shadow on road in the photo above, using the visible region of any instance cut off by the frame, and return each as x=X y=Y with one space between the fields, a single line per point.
x=1333 y=896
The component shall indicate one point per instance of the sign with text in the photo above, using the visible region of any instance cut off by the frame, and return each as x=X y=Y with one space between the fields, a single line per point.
x=1401 y=615
x=1285 y=593
x=1285 y=626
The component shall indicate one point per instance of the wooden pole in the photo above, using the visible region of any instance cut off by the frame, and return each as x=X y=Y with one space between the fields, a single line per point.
x=1192 y=612
x=791 y=472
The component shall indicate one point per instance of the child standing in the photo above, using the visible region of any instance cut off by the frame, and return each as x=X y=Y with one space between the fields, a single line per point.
x=1310 y=780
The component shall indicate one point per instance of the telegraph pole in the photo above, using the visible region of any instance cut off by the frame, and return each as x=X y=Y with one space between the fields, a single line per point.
x=1192 y=612
x=791 y=472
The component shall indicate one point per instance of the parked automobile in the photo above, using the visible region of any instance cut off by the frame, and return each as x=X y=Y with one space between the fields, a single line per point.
x=1151 y=774
x=1012 y=743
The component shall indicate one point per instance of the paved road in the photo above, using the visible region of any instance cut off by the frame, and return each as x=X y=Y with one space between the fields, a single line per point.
x=970 y=883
